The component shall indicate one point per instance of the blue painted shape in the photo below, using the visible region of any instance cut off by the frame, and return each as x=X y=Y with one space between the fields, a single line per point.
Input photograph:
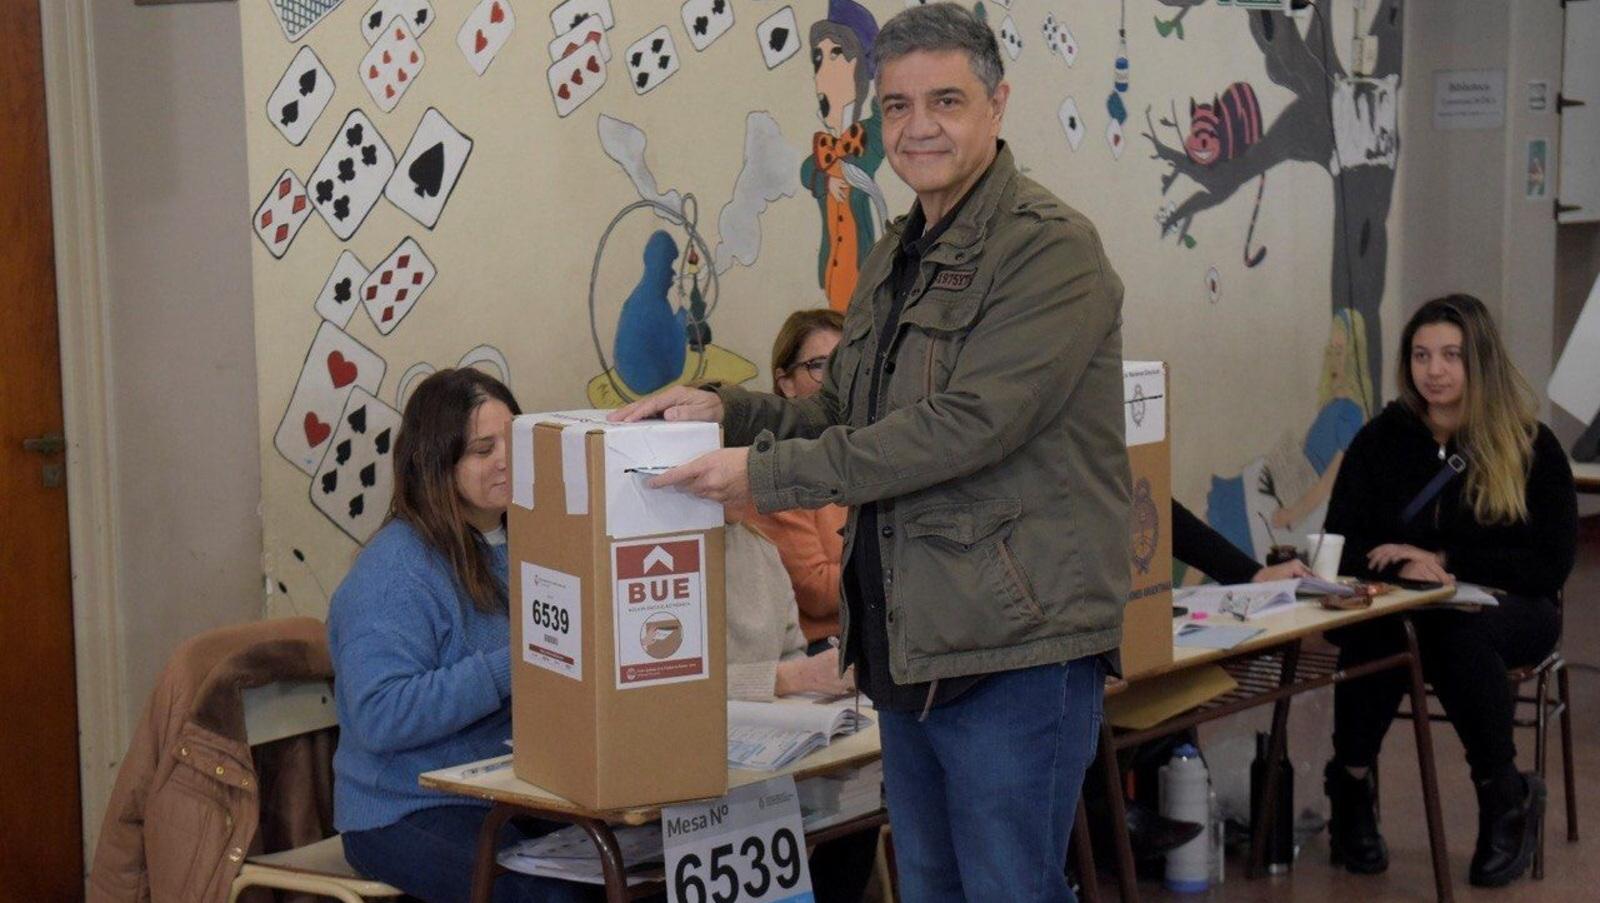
x=649 y=350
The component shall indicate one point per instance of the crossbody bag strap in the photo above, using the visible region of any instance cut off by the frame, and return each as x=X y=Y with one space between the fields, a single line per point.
x=1453 y=466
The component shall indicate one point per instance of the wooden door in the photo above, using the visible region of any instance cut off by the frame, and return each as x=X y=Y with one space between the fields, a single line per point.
x=41 y=846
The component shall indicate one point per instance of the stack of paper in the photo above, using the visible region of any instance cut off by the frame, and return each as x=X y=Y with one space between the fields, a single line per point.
x=767 y=736
x=831 y=799
x=570 y=855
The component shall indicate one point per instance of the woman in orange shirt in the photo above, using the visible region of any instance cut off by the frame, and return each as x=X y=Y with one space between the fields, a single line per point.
x=808 y=540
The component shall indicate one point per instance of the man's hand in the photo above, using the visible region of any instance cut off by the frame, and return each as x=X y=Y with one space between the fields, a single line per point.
x=1392 y=553
x=1294 y=567
x=720 y=476
x=676 y=403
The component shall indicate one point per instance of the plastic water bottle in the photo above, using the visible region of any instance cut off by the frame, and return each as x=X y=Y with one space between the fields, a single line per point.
x=1185 y=796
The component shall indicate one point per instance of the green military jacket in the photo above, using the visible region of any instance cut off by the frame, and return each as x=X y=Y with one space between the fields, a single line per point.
x=998 y=456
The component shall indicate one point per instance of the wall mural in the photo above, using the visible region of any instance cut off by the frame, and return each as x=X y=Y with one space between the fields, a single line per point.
x=595 y=200
x=1344 y=118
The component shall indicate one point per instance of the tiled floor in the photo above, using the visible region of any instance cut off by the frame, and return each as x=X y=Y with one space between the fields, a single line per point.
x=1572 y=870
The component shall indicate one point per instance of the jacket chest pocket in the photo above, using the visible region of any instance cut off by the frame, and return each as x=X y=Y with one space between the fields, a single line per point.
x=933 y=332
x=961 y=586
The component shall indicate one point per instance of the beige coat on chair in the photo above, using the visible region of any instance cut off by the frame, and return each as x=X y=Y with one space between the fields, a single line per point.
x=188 y=802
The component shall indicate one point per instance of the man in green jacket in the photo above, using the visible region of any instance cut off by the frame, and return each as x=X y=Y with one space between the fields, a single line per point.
x=972 y=417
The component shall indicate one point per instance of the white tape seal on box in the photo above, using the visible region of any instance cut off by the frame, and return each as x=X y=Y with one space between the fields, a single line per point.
x=632 y=508
x=1144 y=388
x=522 y=461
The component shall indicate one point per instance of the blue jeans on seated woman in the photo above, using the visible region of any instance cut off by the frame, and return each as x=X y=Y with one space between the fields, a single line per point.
x=429 y=854
x=982 y=793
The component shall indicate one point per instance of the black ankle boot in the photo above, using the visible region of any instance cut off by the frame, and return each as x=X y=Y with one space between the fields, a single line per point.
x=1510 y=809
x=1353 y=838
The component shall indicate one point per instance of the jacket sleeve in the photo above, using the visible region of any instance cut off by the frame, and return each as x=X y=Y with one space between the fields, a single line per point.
x=1354 y=507
x=1539 y=565
x=1009 y=380
x=393 y=690
x=1194 y=543
x=119 y=873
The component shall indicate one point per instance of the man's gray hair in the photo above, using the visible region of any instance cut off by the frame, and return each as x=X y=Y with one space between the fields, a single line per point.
x=938 y=27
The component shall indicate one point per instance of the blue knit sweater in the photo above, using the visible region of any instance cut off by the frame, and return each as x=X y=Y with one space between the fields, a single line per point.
x=422 y=679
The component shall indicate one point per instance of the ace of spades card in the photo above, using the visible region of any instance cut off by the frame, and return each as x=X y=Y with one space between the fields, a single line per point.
x=356 y=480
x=417 y=13
x=566 y=17
x=589 y=31
x=351 y=175
x=296 y=17
x=393 y=287
x=779 y=37
x=706 y=20
x=300 y=97
x=281 y=213
x=651 y=60
x=485 y=31
x=576 y=77
x=1010 y=39
x=393 y=63
x=335 y=366
x=429 y=168
x=336 y=303
x=1071 y=122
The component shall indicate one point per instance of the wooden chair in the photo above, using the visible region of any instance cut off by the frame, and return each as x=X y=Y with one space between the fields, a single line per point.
x=1545 y=707
x=274 y=712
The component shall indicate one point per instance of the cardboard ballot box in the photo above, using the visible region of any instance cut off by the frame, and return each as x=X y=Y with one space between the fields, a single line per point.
x=1147 y=620
x=618 y=678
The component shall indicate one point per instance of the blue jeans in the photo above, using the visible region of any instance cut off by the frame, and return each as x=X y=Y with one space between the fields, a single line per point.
x=429 y=854
x=982 y=793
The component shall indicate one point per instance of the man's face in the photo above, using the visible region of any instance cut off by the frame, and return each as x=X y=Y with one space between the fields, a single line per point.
x=939 y=124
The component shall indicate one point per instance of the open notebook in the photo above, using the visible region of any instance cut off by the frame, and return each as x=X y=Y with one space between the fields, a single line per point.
x=766 y=736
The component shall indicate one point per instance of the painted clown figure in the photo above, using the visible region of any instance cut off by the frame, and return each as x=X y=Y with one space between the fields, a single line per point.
x=846 y=155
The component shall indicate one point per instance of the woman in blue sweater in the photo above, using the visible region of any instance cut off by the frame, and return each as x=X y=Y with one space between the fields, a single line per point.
x=420 y=638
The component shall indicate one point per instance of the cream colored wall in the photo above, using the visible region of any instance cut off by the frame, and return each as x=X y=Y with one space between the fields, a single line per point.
x=182 y=357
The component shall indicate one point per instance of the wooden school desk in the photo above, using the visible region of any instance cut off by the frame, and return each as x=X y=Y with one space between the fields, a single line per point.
x=1271 y=668
x=513 y=797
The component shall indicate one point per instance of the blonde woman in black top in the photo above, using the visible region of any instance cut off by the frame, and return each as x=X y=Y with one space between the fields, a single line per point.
x=1456 y=480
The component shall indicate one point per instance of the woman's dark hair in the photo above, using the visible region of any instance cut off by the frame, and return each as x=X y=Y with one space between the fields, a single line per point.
x=433 y=437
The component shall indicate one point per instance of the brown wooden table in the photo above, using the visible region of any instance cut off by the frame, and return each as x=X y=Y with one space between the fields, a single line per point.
x=513 y=797
x=1271 y=668
x=1586 y=476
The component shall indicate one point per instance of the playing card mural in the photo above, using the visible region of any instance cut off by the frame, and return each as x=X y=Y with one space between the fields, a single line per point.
x=841 y=169
x=584 y=184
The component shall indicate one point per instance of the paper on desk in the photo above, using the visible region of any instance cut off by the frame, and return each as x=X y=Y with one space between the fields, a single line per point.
x=1213 y=636
x=1472 y=594
x=1258 y=599
x=569 y=854
x=1147 y=703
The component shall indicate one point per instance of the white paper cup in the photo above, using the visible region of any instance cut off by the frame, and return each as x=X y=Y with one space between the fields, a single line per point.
x=1325 y=549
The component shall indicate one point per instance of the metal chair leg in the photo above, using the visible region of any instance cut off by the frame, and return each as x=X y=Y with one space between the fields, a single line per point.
x=1569 y=776
x=1541 y=723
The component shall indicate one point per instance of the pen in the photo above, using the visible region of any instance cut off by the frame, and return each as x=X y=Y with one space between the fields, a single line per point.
x=486 y=766
x=648 y=469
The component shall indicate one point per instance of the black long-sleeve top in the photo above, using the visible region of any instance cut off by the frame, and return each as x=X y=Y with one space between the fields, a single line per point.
x=1194 y=543
x=1390 y=461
